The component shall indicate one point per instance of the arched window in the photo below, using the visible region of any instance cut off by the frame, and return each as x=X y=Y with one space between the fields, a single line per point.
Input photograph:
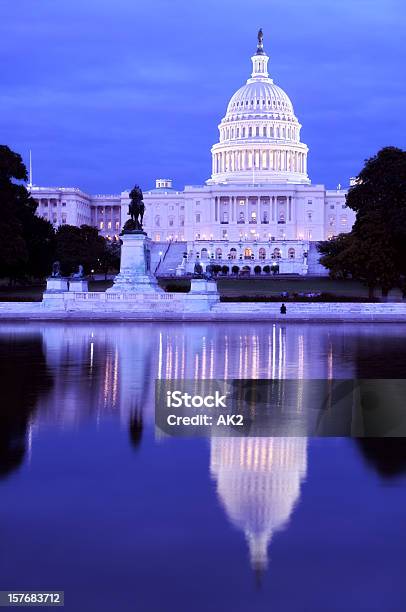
x=233 y=253
x=291 y=254
x=204 y=254
x=247 y=253
x=276 y=254
x=219 y=253
x=157 y=221
x=250 y=131
x=264 y=131
x=262 y=253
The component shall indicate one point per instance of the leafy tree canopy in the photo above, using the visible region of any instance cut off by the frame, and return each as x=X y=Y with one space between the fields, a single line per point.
x=79 y=246
x=375 y=250
x=26 y=247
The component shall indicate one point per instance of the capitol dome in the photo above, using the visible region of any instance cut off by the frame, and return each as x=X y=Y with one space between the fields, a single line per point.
x=258 y=483
x=260 y=133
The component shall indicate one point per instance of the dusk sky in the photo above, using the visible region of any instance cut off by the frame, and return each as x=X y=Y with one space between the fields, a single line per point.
x=111 y=93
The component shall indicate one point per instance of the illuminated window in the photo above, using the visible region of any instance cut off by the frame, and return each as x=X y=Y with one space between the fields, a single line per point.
x=101 y=225
x=109 y=225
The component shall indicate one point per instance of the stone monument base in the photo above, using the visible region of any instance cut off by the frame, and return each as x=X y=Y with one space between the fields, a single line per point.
x=56 y=284
x=135 y=266
x=202 y=285
x=78 y=284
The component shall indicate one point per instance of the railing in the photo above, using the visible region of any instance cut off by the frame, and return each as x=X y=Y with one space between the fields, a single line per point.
x=162 y=259
x=123 y=297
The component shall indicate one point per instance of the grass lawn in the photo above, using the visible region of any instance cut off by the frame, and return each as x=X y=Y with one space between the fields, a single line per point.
x=276 y=286
x=228 y=287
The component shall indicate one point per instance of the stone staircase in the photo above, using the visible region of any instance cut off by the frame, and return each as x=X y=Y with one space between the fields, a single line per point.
x=172 y=255
x=314 y=267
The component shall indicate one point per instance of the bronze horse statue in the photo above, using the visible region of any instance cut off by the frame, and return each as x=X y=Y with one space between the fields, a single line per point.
x=136 y=208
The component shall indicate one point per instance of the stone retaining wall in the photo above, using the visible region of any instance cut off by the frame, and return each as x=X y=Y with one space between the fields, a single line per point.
x=196 y=307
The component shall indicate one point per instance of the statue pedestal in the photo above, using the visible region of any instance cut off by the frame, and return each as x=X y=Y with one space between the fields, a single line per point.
x=202 y=285
x=203 y=295
x=135 y=266
x=78 y=284
x=56 y=284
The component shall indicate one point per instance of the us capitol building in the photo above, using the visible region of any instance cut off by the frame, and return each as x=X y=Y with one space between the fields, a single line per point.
x=257 y=208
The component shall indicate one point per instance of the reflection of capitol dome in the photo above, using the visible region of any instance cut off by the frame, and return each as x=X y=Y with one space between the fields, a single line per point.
x=260 y=133
x=258 y=482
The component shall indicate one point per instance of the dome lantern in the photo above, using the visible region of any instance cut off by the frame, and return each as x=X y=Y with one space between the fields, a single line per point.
x=260 y=60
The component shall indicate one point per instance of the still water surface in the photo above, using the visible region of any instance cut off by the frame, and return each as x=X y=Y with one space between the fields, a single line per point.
x=94 y=502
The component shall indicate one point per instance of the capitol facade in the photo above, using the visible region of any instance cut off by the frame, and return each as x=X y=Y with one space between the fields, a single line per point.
x=257 y=210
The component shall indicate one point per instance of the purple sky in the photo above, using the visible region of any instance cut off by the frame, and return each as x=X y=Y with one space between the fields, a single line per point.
x=111 y=93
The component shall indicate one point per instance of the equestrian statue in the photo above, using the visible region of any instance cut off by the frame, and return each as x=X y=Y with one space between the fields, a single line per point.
x=136 y=210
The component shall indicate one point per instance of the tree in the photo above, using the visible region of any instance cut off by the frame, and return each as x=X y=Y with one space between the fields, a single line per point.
x=375 y=250
x=110 y=259
x=334 y=255
x=79 y=246
x=26 y=247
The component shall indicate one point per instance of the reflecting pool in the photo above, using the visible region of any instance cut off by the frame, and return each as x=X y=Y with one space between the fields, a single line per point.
x=96 y=502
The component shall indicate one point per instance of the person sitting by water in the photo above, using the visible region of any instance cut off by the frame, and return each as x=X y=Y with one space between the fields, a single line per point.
x=283 y=309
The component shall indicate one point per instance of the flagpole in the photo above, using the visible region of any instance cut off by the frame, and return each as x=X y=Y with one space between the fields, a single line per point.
x=30 y=172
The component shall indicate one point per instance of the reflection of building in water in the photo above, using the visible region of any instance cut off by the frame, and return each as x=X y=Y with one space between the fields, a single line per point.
x=102 y=369
x=258 y=483
x=249 y=351
x=85 y=364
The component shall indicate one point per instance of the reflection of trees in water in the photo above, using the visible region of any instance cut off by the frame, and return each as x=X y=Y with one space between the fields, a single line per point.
x=386 y=455
x=136 y=427
x=24 y=377
x=380 y=355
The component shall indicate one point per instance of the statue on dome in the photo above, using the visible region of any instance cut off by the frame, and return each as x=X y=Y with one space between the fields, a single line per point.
x=260 y=38
x=260 y=47
x=136 y=210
